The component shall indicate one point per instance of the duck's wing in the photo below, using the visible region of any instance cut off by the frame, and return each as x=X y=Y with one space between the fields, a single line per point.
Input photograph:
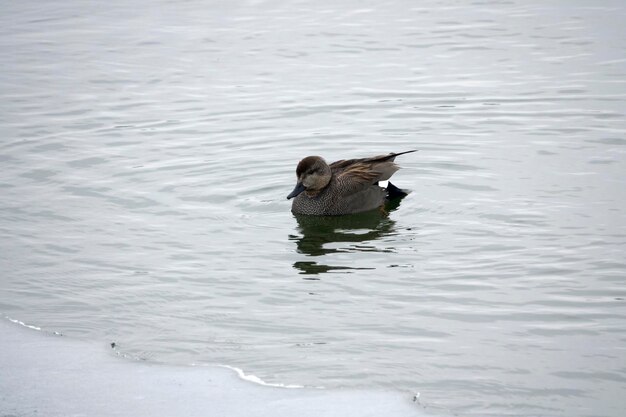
x=357 y=174
x=338 y=166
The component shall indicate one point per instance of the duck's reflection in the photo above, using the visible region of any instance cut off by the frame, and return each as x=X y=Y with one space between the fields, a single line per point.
x=323 y=235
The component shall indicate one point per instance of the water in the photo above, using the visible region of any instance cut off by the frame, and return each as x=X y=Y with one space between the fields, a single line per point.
x=147 y=149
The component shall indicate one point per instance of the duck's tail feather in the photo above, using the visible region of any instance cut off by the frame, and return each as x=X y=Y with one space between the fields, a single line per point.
x=395 y=192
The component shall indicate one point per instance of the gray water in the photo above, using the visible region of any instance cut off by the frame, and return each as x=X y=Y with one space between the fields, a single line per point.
x=146 y=150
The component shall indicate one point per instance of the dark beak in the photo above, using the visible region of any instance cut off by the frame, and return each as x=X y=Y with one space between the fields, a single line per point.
x=299 y=188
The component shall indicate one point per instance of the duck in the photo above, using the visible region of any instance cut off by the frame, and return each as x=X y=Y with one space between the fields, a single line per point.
x=346 y=186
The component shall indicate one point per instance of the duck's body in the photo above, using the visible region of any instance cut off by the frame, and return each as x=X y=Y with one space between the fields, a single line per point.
x=343 y=187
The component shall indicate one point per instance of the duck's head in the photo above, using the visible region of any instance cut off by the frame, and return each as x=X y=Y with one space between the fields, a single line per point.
x=313 y=175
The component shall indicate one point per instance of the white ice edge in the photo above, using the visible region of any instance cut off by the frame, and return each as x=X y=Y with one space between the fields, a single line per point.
x=256 y=380
x=55 y=376
x=21 y=323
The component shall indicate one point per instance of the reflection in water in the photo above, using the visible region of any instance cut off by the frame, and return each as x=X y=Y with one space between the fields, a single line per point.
x=356 y=229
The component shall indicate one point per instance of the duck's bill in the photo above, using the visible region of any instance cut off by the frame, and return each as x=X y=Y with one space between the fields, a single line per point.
x=299 y=188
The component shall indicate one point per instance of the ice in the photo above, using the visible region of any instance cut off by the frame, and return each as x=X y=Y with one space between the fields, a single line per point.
x=50 y=375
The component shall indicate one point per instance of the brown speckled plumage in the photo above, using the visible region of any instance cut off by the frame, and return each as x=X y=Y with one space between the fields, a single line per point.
x=343 y=187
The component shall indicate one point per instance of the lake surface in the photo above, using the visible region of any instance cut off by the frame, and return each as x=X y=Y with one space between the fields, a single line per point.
x=146 y=150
